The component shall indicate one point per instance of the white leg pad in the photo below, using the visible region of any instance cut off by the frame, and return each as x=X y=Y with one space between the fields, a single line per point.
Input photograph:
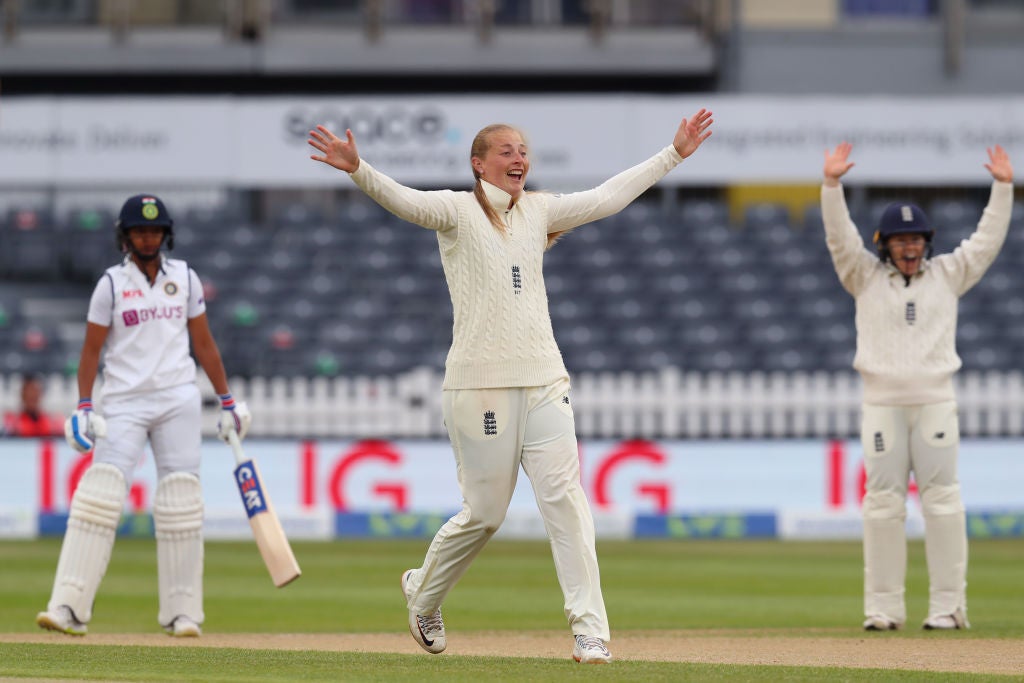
x=885 y=555
x=178 y=522
x=945 y=541
x=85 y=552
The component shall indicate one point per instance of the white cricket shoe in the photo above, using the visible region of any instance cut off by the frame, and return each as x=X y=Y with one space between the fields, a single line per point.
x=183 y=627
x=880 y=622
x=427 y=630
x=61 y=619
x=591 y=650
x=947 y=622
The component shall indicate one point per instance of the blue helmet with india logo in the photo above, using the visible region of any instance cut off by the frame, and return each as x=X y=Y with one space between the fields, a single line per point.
x=143 y=210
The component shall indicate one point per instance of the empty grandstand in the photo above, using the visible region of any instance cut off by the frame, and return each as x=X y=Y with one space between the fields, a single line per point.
x=708 y=308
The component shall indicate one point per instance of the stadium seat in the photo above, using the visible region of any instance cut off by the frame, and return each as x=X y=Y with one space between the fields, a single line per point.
x=31 y=249
x=759 y=307
x=711 y=238
x=89 y=244
x=293 y=215
x=696 y=214
x=802 y=358
x=988 y=357
x=764 y=216
x=725 y=359
x=571 y=308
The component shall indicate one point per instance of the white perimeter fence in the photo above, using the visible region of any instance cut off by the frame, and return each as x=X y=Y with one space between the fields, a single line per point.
x=665 y=404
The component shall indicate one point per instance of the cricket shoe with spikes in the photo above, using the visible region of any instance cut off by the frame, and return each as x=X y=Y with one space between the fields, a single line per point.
x=591 y=650
x=947 y=622
x=61 y=619
x=183 y=627
x=880 y=622
x=426 y=629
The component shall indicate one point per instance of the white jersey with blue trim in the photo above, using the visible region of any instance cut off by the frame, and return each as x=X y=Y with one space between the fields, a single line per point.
x=147 y=346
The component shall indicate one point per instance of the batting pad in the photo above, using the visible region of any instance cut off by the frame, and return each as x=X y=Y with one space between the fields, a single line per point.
x=92 y=524
x=178 y=521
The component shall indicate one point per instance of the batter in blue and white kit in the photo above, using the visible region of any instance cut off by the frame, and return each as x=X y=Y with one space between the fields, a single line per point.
x=906 y=354
x=506 y=389
x=144 y=311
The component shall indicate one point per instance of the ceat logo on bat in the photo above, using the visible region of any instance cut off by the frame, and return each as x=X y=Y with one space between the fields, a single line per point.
x=250 y=489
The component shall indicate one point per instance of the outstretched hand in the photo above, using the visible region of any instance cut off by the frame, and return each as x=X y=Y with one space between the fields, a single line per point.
x=999 y=164
x=341 y=154
x=837 y=163
x=692 y=132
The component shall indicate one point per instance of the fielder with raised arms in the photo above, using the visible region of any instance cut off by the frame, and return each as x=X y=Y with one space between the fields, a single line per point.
x=506 y=389
x=906 y=354
x=144 y=310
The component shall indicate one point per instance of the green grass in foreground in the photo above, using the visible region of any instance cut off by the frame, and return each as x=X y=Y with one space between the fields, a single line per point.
x=352 y=586
x=226 y=664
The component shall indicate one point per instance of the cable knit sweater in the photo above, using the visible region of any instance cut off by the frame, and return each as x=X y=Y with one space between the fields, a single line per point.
x=906 y=332
x=502 y=333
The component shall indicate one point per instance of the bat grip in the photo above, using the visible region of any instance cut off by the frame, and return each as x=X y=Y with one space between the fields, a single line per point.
x=236 y=447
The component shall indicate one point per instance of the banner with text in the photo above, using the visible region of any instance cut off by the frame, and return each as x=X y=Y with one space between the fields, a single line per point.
x=694 y=483
x=575 y=140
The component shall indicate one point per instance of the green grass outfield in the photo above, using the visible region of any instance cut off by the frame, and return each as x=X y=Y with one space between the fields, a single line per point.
x=352 y=587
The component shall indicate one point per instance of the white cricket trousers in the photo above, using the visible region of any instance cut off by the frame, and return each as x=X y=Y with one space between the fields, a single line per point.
x=168 y=418
x=493 y=432
x=897 y=440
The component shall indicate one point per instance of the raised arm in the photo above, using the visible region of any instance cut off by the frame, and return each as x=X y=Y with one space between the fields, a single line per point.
x=432 y=210
x=341 y=154
x=692 y=132
x=972 y=258
x=999 y=164
x=851 y=259
x=571 y=210
x=837 y=163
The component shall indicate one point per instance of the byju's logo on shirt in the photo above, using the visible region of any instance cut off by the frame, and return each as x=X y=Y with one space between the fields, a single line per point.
x=144 y=315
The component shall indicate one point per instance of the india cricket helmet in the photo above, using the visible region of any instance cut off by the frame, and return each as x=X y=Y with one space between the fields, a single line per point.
x=143 y=210
x=902 y=218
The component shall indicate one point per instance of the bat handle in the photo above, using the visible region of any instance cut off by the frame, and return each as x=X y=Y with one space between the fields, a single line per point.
x=236 y=447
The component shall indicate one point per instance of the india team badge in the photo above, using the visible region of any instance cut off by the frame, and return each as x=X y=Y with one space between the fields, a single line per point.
x=170 y=289
x=149 y=208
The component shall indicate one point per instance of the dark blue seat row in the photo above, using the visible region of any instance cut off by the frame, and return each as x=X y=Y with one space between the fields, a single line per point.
x=304 y=292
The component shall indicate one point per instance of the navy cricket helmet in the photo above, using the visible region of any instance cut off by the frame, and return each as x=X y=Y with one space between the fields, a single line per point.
x=902 y=218
x=143 y=210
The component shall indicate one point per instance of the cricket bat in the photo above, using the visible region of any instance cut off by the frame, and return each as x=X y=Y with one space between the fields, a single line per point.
x=266 y=527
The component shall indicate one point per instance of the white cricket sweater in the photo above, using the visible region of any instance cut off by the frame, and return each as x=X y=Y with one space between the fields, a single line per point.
x=906 y=333
x=502 y=334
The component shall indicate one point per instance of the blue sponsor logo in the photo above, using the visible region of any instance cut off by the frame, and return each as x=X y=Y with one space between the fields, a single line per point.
x=131 y=525
x=995 y=524
x=387 y=524
x=250 y=489
x=758 y=525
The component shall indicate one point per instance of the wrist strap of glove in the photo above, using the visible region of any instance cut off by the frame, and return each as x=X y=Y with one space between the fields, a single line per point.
x=227 y=402
x=85 y=403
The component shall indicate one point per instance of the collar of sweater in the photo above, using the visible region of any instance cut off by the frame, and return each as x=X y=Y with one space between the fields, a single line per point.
x=498 y=198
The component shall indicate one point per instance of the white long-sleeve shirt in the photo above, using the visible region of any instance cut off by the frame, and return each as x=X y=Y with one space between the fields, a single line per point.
x=906 y=332
x=502 y=334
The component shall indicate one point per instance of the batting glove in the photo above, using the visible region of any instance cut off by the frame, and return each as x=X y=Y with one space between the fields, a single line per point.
x=234 y=417
x=84 y=426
